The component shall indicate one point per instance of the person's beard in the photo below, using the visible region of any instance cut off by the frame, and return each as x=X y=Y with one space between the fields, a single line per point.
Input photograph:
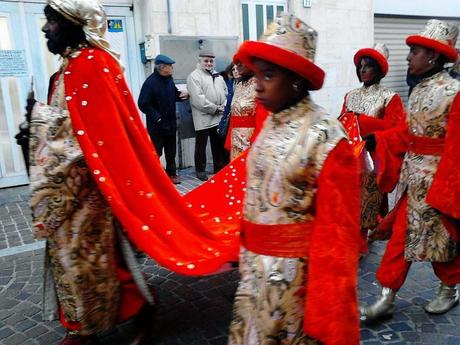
x=67 y=36
x=57 y=43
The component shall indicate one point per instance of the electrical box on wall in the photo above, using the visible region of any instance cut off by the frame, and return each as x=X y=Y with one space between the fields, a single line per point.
x=142 y=51
x=149 y=47
x=307 y=3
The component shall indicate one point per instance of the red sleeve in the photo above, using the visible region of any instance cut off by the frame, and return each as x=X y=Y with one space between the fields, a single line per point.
x=331 y=308
x=261 y=115
x=444 y=193
x=394 y=115
x=388 y=156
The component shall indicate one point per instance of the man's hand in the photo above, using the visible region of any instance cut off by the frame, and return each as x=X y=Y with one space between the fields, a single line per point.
x=219 y=110
x=184 y=95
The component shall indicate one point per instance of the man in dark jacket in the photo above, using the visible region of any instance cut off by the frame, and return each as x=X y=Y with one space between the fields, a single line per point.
x=157 y=101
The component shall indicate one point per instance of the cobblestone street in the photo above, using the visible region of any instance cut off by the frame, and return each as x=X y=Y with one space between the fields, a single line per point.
x=191 y=311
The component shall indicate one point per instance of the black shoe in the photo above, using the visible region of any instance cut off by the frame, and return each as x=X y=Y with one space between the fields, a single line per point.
x=201 y=175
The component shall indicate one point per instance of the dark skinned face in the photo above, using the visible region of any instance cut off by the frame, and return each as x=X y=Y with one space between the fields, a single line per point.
x=60 y=32
x=367 y=72
x=274 y=86
x=243 y=71
x=418 y=58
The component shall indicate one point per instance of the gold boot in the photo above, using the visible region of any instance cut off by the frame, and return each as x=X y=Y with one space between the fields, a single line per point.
x=446 y=299
x=383 y=307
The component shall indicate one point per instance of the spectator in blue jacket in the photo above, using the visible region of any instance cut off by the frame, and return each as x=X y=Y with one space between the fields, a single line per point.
x=157 y=101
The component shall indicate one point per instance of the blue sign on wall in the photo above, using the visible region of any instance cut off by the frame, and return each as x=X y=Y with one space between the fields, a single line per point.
x=115 y=25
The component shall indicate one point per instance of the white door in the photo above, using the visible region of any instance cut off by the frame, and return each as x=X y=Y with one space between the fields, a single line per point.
x=20 y=30
x=13 y=91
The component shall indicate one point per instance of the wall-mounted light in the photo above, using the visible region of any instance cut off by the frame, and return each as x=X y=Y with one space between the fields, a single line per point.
x=307 y=3
x=200 y=44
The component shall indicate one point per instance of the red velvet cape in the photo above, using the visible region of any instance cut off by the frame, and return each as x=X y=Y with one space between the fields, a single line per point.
x=198 y=233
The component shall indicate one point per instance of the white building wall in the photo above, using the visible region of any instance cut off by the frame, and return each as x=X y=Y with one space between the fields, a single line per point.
x=343 y=27
x=189 y=18
x=429 y=8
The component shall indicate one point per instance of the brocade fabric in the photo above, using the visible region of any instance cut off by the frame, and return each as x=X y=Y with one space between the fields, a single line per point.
x=243 y=104
x=69 y=211
x=370 y=101
x=429 y=107
x=283 y=167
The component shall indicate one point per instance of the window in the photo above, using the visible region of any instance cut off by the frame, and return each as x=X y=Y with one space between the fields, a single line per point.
x=258 y=14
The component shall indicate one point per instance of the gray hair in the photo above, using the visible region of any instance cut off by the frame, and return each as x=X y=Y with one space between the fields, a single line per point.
x=160 y=66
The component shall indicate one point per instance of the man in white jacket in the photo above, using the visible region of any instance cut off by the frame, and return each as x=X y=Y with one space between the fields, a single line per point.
x=208 y=95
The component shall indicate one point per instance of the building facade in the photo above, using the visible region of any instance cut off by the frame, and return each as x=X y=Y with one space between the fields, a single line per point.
x=140 y=29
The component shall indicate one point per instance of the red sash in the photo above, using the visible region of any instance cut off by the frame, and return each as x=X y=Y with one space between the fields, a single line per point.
x=426 y=145
x=242 y=121
x=281 y=240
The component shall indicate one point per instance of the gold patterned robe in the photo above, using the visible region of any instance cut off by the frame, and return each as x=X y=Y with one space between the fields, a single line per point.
x=243 y=104
x=283 y=167
x=69 y=211
x=429 y=106
x=376 y=102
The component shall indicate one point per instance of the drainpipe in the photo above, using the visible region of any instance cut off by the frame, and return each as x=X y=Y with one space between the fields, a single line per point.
x=168 y=2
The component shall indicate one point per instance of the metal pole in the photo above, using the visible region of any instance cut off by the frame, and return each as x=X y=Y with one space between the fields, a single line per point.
x=168 y=2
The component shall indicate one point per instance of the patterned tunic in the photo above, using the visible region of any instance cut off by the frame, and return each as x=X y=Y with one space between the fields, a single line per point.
x=69 y=211
x=283 y=167
x=429 y=105
x=371 y=101
x=243 y=104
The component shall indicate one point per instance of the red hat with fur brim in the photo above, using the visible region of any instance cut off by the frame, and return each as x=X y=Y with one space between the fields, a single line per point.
x=374 y=54
x=236 y=58
x=442 y=48
x=283 y=58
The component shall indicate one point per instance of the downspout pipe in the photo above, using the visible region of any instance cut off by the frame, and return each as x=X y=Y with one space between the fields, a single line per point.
x=168 y=3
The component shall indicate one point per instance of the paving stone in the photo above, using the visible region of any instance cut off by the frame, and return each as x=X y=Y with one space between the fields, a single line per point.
x=428 y=328
x=36 y=331
x=453 y=341
x=400 y=326
x=15 y=339
x=5 y=332
x=49 y=338
x=25 y=325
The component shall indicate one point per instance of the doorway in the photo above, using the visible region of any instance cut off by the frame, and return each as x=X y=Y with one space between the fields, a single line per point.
x=20 y=33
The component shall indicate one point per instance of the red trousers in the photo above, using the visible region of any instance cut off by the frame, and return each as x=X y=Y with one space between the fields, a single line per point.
x=394 y=268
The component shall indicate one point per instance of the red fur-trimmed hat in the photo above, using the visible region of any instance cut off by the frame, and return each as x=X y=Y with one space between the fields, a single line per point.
x=236 y=58
x=288 y=43
x=379 y=53
x=439 y=36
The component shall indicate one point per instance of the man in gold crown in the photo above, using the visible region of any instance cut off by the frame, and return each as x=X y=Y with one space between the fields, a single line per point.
x=420 y=157
x=92 y=281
